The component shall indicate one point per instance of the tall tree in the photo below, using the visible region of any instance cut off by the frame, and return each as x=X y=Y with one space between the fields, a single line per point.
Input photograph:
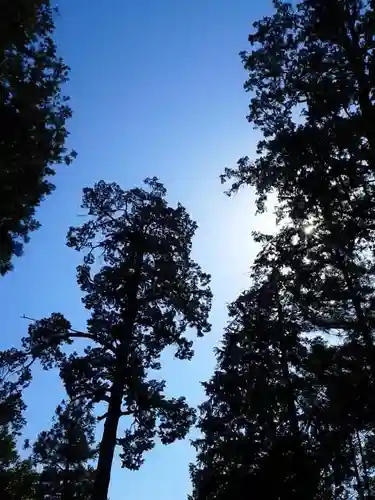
x=254 y=442
x=64 y=455
x=147 y=293
x=283 y=403
x=316 y=59
x=32 y=119
x=340 y=413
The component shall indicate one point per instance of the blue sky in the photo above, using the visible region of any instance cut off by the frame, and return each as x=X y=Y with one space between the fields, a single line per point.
x=156 y=89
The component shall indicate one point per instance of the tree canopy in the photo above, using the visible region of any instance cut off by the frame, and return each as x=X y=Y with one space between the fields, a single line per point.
x=289 y=412
x=311 y=79
x=144 y=294
x=65 y=454
x=33 y=115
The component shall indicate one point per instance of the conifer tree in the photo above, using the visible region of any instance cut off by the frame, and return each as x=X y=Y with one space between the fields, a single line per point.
x=253 y=420
x=33 y=113
x=17 y=476
x=64 y=454
x=315 y=59
x=143 y=293
x=283 y=402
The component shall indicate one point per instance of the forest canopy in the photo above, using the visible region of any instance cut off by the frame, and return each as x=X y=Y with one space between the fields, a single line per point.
x=288 y=413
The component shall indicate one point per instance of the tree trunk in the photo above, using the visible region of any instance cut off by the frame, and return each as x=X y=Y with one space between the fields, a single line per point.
x=366 y=479
x=356 y=471
x=109 y=438
x=66 y=490
x=306 y=478
x=108 y=443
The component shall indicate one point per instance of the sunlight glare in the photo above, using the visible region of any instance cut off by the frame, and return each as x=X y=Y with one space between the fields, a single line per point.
x=308 y=229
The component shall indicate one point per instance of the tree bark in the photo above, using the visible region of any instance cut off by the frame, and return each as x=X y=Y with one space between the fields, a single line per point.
x=356 y=471
x=108 y=443
x=109 y=438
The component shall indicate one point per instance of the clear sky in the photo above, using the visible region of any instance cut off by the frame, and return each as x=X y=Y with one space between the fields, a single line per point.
x=156 y=89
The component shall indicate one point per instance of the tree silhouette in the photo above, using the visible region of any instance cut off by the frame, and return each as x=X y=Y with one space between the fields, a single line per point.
x=315 y=60
x=339 y=411
x=32 y=119
x=17 y=476
x=64 y=453
x=146 y=294
x=284 y=403
x=252 y=422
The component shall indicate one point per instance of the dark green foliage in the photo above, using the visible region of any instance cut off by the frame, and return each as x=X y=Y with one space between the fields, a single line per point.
x=33 y=113
x=143 y=292
x=64 y=453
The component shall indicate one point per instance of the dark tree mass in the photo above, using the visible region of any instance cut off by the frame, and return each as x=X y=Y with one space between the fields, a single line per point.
x=143 y=293
x=63 y=454
x=290 y=410
x=33 y=112
x=17 y=476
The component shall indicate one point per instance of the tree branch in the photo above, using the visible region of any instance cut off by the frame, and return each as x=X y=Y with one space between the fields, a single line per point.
x=126 y=413
x=76 y=334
